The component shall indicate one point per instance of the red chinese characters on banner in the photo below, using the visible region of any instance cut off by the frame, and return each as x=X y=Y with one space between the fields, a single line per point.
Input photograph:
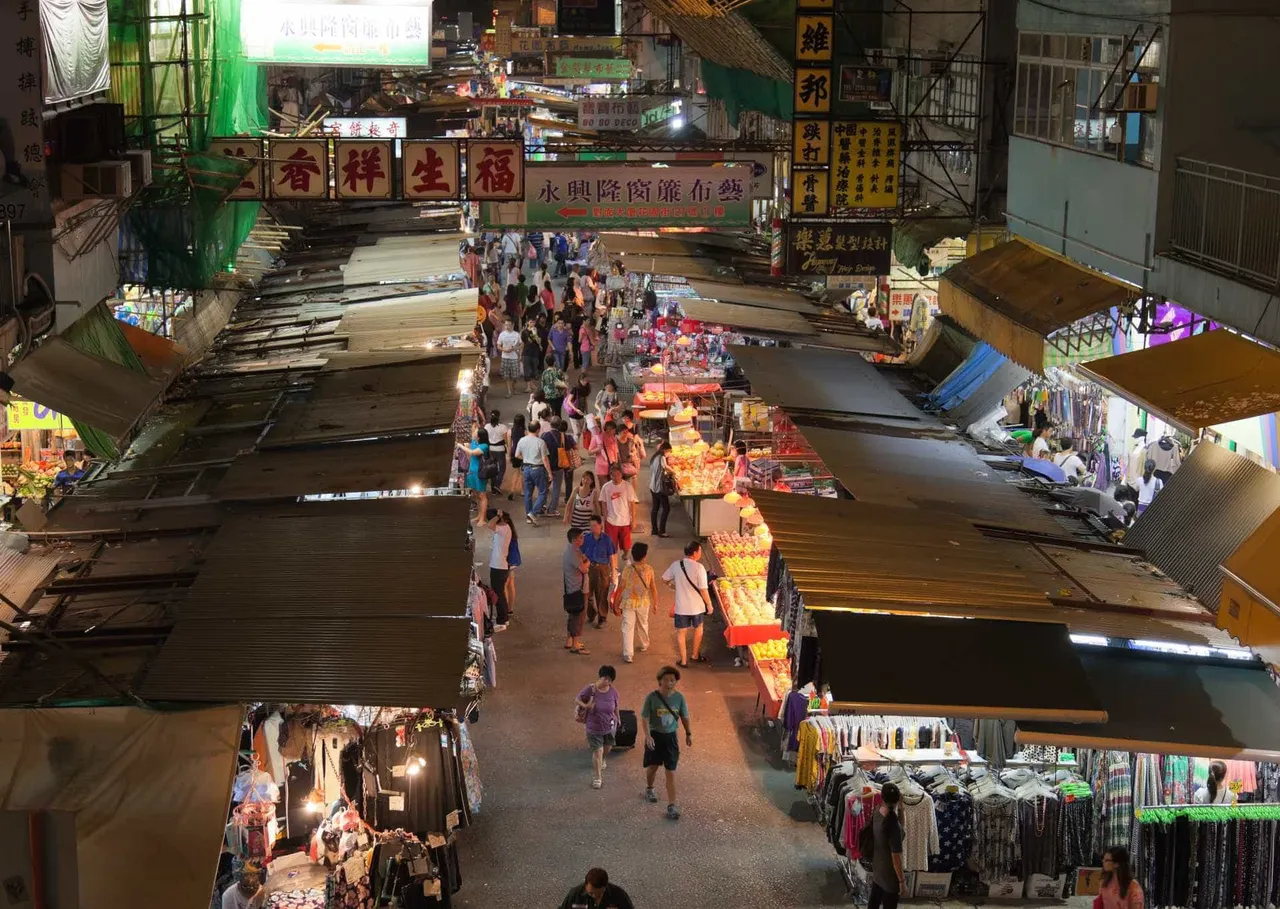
x=495 y=171
x=251 y=187
x=363 y=169
x=299 y=169
x=431 y=169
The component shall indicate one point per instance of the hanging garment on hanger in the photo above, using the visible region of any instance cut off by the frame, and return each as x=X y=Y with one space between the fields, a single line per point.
x=1038 y=828
x=919 y=830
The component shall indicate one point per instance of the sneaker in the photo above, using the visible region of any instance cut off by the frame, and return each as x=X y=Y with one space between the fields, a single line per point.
x=650 y=795
x=596 y=783
x=673 y=813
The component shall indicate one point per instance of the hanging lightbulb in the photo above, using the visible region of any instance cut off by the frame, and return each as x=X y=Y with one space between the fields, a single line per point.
x=413 y=769
x=749 y=512
x=761 y=530
x=732 y=497
x=755 y=518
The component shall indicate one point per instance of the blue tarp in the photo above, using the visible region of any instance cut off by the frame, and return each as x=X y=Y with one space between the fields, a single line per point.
x=966 y=378
x=1046 y=469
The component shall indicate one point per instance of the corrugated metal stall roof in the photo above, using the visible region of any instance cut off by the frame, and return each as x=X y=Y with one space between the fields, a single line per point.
x=935 y=475
x=1012 y=670
x=753 y=295
x=828 y=382
x=372 y=660
x=423 y=461
x=895 y=558
x=312 y=559
x=746 y=318
x=1211 y=505
x=372 y=401
x=1164 y=705
x=989 y=395
x=680 y=267
x=404 y=259
x=22 y=572
x=409 y=321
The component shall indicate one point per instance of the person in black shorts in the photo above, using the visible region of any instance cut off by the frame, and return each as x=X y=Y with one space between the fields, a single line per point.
x=663 y=712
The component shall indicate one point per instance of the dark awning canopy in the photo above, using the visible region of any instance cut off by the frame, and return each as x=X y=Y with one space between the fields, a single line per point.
x=1163 y=704
x=984 y=668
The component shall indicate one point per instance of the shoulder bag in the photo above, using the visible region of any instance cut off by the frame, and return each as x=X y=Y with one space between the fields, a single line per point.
x=669 y=710
x=696 y=588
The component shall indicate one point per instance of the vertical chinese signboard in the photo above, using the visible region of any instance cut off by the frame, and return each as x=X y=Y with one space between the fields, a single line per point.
x=251 y=187
x=495 y=171
x=432 y=170
x=363 y=169
x=842 y=170
x=24 y=193
x=299 y=169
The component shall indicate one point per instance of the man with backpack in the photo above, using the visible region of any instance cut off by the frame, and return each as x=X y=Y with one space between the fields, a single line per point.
x=884 y=837
x=662 y=714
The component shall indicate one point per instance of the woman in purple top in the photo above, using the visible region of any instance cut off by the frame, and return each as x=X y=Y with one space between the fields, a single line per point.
x=561 y=336
x=599 y=701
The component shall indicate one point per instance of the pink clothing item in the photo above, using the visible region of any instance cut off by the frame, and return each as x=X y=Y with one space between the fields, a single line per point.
x=606 y=452
x=1110 y=895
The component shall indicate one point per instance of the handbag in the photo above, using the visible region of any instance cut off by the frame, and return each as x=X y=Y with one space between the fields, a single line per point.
x=668 y=483
x=580 y=712
x=575 y=456
x=487 y=469
x=563 y=461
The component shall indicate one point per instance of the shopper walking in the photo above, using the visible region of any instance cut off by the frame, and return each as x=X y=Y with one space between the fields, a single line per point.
x=560 y=340
x=604 y=445
x=1148 y=485
x=509 y=348
x=558 y=456
x=597 y=892
x=514 y=435
x=606 y=402
x=531 y=354
x=662 y=713
x=514 y=561
x=688 y=578
x=499 y=567
x=555 y=385
x=598 y=709
x=637 y=598
x=661 y=488
x=617 y=504
x=887 y=882
x=1119 y=890
x=603 y=556
x=582 y=505
x=499 y=437
x=575 y=568
x=532 y=452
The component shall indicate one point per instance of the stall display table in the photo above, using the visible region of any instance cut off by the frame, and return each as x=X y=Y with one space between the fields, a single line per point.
x=773 y=681
x=709 y=512
x=748 y=618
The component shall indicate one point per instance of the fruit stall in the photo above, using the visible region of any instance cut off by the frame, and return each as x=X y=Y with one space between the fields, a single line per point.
x=771 y=669
x=702 y=479
x=780 y=457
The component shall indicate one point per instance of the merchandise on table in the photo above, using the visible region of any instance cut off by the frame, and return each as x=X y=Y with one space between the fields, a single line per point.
x=741 y=555
x=748 y=615
x=699 y=469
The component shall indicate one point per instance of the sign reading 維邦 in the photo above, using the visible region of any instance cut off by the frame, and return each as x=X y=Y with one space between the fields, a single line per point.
x=846 y=248
x=610 y=113
x=623 y=195
x=326 y=34
x=615 y=69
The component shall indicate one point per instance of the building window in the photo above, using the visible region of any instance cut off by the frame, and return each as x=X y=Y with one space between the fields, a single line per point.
x=1067 y=85
x=953 y=95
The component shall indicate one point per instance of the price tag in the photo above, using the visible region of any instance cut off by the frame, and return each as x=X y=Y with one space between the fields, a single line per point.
x=395 y=803
x=435 y=841
x=431 y=887
x=398 y=770
x=453 y=820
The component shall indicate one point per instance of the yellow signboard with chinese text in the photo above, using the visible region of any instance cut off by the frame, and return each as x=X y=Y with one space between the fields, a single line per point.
x=811 y=144
x=812 y=192
x=813 y=38
x=865 y=164
x=30 y=415
x=812 y=90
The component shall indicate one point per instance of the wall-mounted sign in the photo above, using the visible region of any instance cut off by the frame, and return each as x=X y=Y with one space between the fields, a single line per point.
x=326 y=34
x=861 y=248
x=865 y=163
x=527 y=65
x=529 y=41
x=586 y=17
x=870 y=84
x=23 y=414
x=299 y=168
x=24 y=195
x=628 y=195
x=432 y=169
x=363 y=168
x=812 y=192
x=251 y=187
x=366 y=127
x=812 y=90
x=594 y=69
x=610 y=113
x=660 y=114
x=495 y=170
x=811 y=143
x=814 y=37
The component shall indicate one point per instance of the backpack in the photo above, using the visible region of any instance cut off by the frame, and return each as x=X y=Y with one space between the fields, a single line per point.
x=487 y=469
x=867 y=841
x=668 y=483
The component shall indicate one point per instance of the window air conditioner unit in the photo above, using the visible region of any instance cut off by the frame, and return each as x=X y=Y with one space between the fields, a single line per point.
x=140 y=166
x=103 y=180
x=1138 y=96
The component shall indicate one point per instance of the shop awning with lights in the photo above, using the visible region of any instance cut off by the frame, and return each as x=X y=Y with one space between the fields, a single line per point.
x=1010 y=670
x=1015 y=295
x=1173 y=704
x=1215 y=377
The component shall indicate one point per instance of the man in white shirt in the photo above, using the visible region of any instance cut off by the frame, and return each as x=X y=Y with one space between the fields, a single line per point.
x=509 y=347
x=510 y=247
x=1069 y=460
x=688 y=579
x=532 y=452
x=617 y=506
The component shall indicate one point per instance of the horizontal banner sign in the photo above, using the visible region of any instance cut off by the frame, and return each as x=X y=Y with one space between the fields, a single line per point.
x=624 y=196
x=761 y=163
x=366 y=127
x=851 y=248
x=593 y=69
x=326 y=34
x=30 y=415
x=530 y=42
x=610 y=113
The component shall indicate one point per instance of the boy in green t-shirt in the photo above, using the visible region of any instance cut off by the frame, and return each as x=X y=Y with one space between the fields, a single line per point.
x=663 y=711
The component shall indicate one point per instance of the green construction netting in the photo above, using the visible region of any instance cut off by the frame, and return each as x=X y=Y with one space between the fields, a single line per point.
x=741 y=90
x=97 y=332
x=182 y=232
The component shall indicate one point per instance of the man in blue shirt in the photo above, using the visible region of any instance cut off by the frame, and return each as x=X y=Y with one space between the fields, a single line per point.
x=603 y=556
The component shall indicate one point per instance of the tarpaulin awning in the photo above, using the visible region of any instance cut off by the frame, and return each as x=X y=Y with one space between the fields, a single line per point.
x=1011 y=670
x=105 y=395
x=1209 y=507
x=404 y=259
x=1013 y=296
x=748 y=319
x=1159 y=704
x=144 y=792
x=1215 y=377
x=1250 y=607
x=916 y=232
x=753 y=295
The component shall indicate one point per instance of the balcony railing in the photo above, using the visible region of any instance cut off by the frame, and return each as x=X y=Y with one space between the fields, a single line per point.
x=1228 y=221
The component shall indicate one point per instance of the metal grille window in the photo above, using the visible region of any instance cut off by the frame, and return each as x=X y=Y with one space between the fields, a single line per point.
x=1067 y=85
x=953 y=97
